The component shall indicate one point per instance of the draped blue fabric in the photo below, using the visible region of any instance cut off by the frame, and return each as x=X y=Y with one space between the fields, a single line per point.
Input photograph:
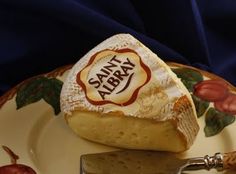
x=39 y=36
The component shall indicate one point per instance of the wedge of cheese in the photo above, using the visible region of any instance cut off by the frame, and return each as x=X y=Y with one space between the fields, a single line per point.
x=122 y=94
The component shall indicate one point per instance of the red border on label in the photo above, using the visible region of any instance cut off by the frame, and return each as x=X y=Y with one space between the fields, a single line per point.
x=135 y=94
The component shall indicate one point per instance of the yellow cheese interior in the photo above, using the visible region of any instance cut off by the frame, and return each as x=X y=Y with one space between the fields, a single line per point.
x=127 y=132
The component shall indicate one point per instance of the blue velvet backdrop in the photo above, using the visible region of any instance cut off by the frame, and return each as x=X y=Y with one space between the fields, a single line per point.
x=39 y=36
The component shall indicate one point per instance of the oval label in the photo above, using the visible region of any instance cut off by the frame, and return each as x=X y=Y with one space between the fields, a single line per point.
x=113 y=76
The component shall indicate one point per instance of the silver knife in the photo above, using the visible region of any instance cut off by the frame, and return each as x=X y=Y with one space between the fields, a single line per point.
x=150 y=162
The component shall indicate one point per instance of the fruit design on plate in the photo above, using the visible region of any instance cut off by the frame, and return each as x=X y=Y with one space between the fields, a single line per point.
x=15 y=168
x=213 y=97
x=218 y=92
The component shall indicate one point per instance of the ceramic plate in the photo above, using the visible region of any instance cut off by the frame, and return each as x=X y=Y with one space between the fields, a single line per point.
x=32 y=126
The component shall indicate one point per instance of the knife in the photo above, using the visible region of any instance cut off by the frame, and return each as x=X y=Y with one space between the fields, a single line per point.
x=150 y=162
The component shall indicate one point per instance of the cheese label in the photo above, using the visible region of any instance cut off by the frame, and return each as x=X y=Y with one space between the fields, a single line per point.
x=113 y=76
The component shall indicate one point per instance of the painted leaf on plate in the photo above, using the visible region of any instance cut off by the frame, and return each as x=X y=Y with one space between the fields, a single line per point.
x=188 y=76
x=52 y=90
x=216 y=121
x=40 y=88
x=30 y=92
x=200 y=105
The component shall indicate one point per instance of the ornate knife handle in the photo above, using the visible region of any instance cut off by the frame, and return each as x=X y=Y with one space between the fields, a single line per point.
x=219 y=162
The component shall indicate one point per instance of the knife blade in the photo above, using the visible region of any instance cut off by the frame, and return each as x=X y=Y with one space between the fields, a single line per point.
x=150 y=162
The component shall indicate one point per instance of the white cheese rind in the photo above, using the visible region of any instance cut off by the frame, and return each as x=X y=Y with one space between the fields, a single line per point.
x=158 y=100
